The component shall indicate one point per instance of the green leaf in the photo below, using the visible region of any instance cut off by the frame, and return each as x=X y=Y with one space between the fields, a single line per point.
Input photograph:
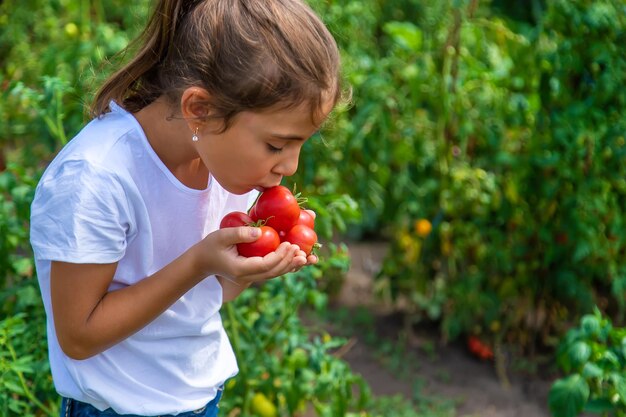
x=24 y=266
x=610 y=360
x=590 y=325
x=591 y=370
x=579 y=354
x=405 y=34
x=13 y=387
x=599 y=405
x=568 y=396
x=620 y=388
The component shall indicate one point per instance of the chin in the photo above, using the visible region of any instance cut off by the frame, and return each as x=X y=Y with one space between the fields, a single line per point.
x=233 y=189
x=238 y=191
x=241 y=190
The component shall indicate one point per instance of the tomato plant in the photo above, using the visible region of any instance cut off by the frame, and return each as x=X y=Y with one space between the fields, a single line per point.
x=592 y=356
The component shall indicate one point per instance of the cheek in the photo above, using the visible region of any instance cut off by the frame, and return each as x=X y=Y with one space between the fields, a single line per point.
x=251 y=163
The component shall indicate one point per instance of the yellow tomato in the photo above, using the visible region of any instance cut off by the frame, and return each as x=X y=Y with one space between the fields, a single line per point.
x=262 y=406
x=71 y=29
x=423 y=227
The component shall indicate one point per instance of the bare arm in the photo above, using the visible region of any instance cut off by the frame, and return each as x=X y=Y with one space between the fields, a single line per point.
x=88 y=319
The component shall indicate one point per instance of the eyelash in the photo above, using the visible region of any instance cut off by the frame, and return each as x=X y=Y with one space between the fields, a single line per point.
x=274 y=149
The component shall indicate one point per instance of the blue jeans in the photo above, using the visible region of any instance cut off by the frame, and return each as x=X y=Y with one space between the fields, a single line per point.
x=73 y=408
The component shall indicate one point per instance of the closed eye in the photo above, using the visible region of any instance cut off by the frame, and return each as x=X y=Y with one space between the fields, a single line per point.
x=274 y=149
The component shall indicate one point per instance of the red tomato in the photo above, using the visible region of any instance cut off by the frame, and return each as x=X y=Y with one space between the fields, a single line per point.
x=307 y=219
x=303 y=236
x=473 y=343
x=485 y=353
x=479 y=348
x=278 y=207
x=266 y=243
x=235 y=219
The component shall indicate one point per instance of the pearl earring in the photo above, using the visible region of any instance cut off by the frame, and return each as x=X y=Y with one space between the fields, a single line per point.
x=195 y=135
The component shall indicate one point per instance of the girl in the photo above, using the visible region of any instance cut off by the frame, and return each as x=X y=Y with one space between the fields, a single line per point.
x=214 y=108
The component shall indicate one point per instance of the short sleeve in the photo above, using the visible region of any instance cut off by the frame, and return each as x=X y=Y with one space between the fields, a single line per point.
x=80 y=214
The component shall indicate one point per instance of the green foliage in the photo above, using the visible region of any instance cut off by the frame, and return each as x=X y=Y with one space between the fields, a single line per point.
x=498 y=126
x=52 y=54
x=49 y=75
x=279 y=359
x=16 y=264
x=285 y=368
x=593 y=357
x=25 y=382
x=26 y=387
x=397 y=406
x=509 y=139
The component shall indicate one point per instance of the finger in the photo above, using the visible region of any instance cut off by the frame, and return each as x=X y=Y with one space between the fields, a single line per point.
x=312 y=213
x=312 y=259
x=288 y=258
x=234 y=235
x=280 y=262
x=271 y=265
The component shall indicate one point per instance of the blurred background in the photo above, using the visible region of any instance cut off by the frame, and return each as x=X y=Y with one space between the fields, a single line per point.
x=482 y=156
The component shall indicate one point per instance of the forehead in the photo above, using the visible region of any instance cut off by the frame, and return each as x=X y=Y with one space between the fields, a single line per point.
x=301 y=116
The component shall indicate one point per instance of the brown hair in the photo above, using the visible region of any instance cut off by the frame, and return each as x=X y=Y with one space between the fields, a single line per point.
x=248 y=54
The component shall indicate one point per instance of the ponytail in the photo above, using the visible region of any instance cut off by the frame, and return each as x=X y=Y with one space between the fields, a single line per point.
x=130 y=84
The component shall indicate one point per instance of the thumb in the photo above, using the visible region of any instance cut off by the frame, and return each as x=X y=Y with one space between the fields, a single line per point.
x=234 y=235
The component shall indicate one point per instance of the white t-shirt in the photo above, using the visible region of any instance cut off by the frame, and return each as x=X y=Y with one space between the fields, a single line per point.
x=105 y=198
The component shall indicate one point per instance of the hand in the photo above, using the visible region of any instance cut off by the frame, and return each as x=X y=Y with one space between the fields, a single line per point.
x=217 y=254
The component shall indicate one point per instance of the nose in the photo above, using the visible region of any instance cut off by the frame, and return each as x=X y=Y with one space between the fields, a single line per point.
x=288 y=165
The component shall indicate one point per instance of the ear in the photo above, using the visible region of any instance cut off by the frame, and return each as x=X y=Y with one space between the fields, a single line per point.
x=194 y=105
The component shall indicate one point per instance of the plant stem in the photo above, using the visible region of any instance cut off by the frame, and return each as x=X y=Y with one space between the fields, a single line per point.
x=236 y=342
x=27 y=392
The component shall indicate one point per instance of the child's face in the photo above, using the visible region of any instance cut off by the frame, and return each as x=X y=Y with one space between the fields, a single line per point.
x=258 y=149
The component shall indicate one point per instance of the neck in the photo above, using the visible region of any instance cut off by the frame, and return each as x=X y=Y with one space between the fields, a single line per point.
x=170 y=138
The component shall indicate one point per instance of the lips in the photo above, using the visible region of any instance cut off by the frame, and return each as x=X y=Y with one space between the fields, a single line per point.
x=261 y=188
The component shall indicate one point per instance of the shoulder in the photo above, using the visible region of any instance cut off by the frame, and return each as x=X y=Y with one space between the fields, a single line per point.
x=91 y=170
x=80 y=214
x=79 y=188
x=101 y=152
x=106 y=141
x=76 y=173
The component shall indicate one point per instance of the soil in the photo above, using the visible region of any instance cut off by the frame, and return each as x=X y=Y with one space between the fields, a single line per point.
x=428 y=367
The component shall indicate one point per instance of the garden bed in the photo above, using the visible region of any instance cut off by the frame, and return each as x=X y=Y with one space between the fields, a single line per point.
x=424 y=368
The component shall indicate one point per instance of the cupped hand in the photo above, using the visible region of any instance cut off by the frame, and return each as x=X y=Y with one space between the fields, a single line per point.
x=219 y=256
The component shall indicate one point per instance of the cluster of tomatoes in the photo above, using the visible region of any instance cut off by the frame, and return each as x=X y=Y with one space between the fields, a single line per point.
x=278 y=214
